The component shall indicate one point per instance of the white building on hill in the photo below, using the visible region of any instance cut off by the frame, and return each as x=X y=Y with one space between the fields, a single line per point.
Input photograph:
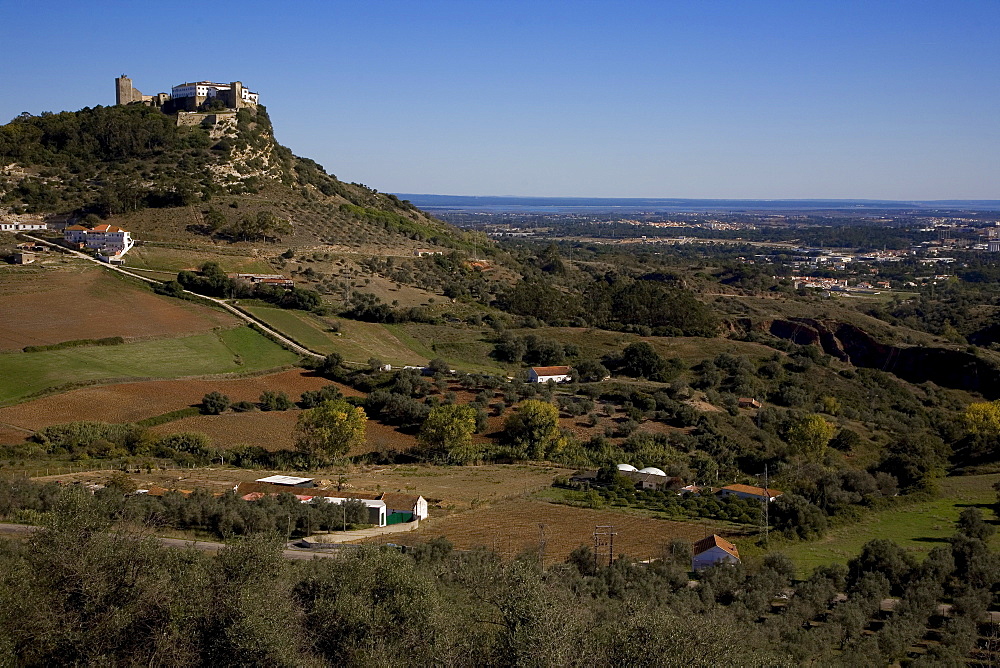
x=17 y=226
x=110 y=242
x=543 y=374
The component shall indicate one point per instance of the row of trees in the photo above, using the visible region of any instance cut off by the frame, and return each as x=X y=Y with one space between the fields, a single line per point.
x=212 y=281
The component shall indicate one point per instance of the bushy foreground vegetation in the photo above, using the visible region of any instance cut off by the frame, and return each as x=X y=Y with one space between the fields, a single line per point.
x=221 y=515
x=91 y=589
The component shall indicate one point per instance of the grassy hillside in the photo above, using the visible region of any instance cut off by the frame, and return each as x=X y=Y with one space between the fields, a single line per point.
x=209 y=183
x=228 y=351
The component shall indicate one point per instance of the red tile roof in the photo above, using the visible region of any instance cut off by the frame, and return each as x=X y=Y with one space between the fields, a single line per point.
x=399 y=501
x=757 y=491
x=706 y=544
x=550 y=370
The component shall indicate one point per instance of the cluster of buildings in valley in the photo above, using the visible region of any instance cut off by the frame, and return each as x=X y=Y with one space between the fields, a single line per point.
x=384 y=508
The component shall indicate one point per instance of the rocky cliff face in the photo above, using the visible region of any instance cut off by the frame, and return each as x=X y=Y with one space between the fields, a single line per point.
x=917 y=364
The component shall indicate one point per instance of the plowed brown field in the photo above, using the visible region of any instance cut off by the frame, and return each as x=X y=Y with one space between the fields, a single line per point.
x=512 y=527
x=275 y=430
x=271 y=430
x=129 y=402
x=73 y=302
x=9 y=435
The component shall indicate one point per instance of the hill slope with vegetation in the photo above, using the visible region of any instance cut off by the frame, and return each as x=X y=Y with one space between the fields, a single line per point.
x=123 y=160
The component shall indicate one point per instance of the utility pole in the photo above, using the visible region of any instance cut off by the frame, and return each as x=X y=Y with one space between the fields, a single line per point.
x=767 y=504
x=604 y=543
x=541 y=545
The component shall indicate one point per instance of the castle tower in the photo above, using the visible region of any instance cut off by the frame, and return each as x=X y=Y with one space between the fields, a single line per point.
x=236 y=90
x=124 y=92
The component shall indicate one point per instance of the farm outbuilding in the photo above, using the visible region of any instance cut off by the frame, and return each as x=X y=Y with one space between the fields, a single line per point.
x=713 y=550
x=543 y=374
x=383 y=507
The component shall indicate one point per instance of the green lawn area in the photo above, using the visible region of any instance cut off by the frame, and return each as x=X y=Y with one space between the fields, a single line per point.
x=918 y=527
x=227 y=351
x=297 y=325
x=358 y=341
x=463 y=347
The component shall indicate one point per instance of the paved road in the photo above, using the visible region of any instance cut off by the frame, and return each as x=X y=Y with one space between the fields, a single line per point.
x=239 y=313
x=338 y=537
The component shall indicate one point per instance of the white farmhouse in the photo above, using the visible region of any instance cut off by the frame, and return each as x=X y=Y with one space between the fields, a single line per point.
x=110 y=242
x=543 y=374
x=713 y=550
x=23 y=227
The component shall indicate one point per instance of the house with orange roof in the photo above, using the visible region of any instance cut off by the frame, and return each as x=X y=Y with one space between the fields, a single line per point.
x=110 y=242
x=713 y=550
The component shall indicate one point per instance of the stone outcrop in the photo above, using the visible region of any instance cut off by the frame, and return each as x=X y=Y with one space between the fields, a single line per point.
x=944 y=366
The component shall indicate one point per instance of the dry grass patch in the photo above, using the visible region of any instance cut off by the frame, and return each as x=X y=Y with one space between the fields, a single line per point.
x=271 y=430
x=79 y=302
x=513 y=527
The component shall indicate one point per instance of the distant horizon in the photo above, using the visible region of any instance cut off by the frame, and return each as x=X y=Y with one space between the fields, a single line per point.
x=502 y=203
x=705 y=199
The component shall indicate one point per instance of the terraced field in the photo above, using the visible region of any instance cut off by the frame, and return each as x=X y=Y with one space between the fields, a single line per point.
x=164 y=258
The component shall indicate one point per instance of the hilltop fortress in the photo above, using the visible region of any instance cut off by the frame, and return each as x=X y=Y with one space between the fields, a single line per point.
x=193 y=96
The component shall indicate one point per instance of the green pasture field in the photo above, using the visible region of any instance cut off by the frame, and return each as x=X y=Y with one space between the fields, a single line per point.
x=918 y=527
x=596 y=343
x=228 y=351
x=297 y=325
x=358 y=341
x=465 y=348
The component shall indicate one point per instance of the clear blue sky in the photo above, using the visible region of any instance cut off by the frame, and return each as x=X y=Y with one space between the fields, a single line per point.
x=701 y=98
